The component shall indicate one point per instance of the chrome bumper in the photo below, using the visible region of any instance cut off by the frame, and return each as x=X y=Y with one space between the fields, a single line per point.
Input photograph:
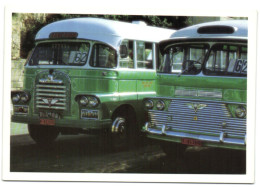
x=216 y=139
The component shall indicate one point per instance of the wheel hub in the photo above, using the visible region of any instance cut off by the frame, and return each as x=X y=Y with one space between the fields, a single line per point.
x=118 y=126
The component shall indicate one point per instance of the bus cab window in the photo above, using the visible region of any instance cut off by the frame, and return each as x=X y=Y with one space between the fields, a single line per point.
x=128 y=61
x=144 y=55
x=103 y=56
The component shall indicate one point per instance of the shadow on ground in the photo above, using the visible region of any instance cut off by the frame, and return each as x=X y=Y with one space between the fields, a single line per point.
x=87 y=154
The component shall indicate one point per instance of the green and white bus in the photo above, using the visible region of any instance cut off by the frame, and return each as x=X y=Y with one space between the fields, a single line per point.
x=201 y=88
x=88 y=75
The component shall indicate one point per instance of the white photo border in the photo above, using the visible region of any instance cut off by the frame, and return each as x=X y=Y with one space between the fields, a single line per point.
x=93 y=9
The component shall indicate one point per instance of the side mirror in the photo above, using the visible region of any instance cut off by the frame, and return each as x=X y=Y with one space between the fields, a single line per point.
x=123 y=51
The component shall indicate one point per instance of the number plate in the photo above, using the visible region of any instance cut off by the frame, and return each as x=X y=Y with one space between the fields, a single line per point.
x=192 y=142
x=50 y=122
x=49 y=115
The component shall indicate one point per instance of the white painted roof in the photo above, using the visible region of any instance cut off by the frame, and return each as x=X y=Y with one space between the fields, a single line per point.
x=107 y=31
x=240 y=30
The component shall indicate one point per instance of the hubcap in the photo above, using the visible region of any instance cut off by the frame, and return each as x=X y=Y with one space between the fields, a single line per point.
x=118 y=126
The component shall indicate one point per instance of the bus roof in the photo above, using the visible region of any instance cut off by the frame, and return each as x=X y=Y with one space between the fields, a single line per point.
x=233 y=29
x=107 y=31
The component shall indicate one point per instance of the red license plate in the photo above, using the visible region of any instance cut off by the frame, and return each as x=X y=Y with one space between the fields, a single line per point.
x=47 y=122
x=192 y=142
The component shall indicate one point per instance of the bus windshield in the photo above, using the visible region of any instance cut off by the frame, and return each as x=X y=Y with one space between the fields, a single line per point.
x=184 y=58
x=219 y=60
x=60 y=53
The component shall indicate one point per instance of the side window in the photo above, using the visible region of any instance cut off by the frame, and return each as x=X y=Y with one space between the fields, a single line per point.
x=103 y=56
x=144 y=55
x=128 y=61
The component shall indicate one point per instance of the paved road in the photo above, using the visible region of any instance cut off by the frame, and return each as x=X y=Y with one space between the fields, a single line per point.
x=85 y=153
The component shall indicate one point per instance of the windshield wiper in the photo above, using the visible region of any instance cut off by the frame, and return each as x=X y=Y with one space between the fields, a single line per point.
x=184 y=71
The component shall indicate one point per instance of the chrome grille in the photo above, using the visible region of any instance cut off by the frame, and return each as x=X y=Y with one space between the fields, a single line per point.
x=51 y=97
x=213 y=119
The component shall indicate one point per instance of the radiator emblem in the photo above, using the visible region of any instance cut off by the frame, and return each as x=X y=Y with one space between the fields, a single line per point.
x=196 y=106
x=50 y=101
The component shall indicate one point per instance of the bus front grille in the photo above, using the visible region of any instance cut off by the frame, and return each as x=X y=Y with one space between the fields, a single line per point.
x=51 y=97
x=210 y=118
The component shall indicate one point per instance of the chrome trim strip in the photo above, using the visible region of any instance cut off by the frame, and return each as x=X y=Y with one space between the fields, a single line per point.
x=47 y=81
x=51 y=95
x=205 y=93
x=182 y=92
x=56 y=104
x=51 y=91
x=116 y=94
x=50 y=86
x=40 y=99
x=52 y=107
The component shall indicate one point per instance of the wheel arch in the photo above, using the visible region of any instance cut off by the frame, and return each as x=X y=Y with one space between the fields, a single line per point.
x=124 y=109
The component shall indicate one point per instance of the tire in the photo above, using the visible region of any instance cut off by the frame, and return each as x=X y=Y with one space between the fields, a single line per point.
x=173 y=150
x=43 y=135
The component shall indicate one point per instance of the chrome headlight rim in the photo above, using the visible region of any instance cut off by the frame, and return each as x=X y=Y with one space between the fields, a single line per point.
x=149 y=104
x=83 y=100
x=160 y=105
x=24 y=97
x=16 y=98
x=240 y=112
x=93 y=101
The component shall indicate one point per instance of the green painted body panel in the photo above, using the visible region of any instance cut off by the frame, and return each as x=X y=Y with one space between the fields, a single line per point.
x=233 y=89
x=113 y=88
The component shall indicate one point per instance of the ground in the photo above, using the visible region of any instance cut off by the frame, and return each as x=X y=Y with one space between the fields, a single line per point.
x=87 y=154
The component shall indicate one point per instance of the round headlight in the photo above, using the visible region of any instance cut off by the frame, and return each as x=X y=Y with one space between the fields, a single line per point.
x=83 y=100
x=148 y=104
x=240 y=112
x=24 y=97
x=93 y=101
x=160 y=105
x=16 y=98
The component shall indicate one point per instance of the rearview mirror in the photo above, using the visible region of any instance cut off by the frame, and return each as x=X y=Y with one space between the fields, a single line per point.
x=123 y=51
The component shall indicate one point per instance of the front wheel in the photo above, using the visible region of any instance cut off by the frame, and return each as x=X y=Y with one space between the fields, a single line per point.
x=124 y=131
x=173 y=150
x=43 y=135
